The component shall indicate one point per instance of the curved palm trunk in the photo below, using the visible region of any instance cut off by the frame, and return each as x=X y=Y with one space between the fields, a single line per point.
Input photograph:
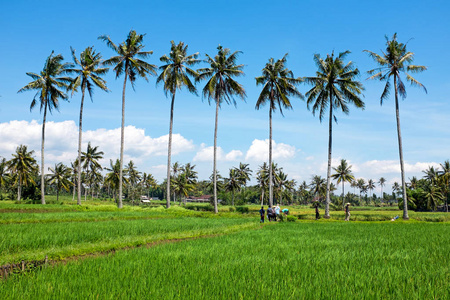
x=80 y=130
x=122 y=137
x=170 y=151
x=216 y=210
x=330 y=135
x=270 y=159
x=400 y=150
x=42 y=156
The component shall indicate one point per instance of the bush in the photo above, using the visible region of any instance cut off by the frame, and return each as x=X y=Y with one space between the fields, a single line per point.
x=242 y=209
x=232 y=209
x=291 y=219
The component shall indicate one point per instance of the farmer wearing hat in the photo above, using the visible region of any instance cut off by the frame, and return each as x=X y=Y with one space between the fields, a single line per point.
x=347 y=212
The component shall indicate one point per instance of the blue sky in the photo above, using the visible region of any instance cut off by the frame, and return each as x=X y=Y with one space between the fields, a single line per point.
x=260 y=29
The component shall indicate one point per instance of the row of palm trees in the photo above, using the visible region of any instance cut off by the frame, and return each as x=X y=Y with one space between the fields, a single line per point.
x=334 y=88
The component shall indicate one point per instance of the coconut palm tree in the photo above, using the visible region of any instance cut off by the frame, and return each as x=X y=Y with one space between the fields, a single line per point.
x=233 y=183
x=50 y=86
x=128 y=62
x=445 y=175
x=278 y=86
x=113 y=178
x=343 y=174
x=370 y=187
x=433 y=196
x=317 y=186
x=221 y=87
x=244 y=173
x=335 y=86
x=431 y=174
x=60 y=176
x=22 y=165
x=4 y=174
x=134 y=176
x=412 y=183
x=361 y=184
x=382 y=183
x=263 y=179
x=89 y=160
x=395 y=60
x=87 y=77
x=149 y=182
x=176 y=168
x=175 y=75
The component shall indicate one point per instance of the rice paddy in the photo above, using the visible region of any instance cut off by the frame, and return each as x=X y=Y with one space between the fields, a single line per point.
x=231 y=257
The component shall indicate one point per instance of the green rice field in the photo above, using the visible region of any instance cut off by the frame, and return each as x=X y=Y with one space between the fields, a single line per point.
x=180 y=254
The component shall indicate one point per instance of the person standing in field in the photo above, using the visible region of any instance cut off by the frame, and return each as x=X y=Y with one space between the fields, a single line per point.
x=262 y=212
x=347 y=212
x=277 y=212
x=317 y=211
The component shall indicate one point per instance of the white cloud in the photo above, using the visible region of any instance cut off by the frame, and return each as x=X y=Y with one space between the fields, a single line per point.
x=393 y=166
x=259 y=151
x=207 y=154
x=61 y=141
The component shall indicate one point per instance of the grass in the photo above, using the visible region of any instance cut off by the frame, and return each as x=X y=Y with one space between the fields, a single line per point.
x=301 y=260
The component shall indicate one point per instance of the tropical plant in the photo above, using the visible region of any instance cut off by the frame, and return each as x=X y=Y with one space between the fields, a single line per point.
x=175 y=75
x=382 y=183
x=134 y=176
x=233 y=183
x=343 y=174
x=221 y=87
x=149 y=182
x=263 y=180
x=361 y=184
x=370 y=187
x=89 y=160
x=318 y=186
x=113 y=179
x=335 y=86
x=395 y=60
x=60 y=176
x=4 y=174
x=22 y=165
x=278 y=86
x=129 y=62
x=445 y=176
x=87 y=77
x=49 y=86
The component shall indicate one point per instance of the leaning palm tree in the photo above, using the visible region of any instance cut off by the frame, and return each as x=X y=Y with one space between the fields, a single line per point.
x=128 y=62
x=60 y=176
x=278 y=86
x=49 y=85
x=394 y=61
x=334 y=86
x=87 y=77
x=382 y=183
x=343 y=174
x=221 y=87
x=22 y=165
x=175 y=75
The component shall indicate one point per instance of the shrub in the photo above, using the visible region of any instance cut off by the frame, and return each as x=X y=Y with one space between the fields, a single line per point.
x=232 y=209
x=291 y=219
x=242 y=209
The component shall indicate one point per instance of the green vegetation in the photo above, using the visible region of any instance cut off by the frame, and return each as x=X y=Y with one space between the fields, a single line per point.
x=291 y=260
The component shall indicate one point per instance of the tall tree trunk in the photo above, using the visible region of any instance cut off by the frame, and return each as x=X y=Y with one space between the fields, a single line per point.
x=400 y=150
x=232 y=198
x=169 y=154
x=122 y=137
x=330 y=134
x=216 y=210
x=57 y=194
x=42 y=156
x=73 y=195
x=262 y=198
x=19 y=188
x=343 y=195
x=270 y=158
x=80 y=130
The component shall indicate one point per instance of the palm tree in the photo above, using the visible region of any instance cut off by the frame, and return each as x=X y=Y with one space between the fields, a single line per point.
x=233 y=183
x=335 y=87
x=370 y=187
x=278 y=85
x=88 y=76
x=23 y=165
x=263 y=179
x=433 y=196
x=244 y=173
x=361 y=184
x=48 y=85
x=175 y=75
x=343 y=174
x=149 y=182
x=89 y=159
x=3 y=174
x=412 y=183
x=431 y=174
x=382 y=183
x=445 y=175
x=317 y=185
x=221 y=87
x=282 y=184
x=396 y=188
x=394 y=61
x=60 y=177
x=113 y=178
x=134 y=176
x=128 y=62
x=176 y=167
